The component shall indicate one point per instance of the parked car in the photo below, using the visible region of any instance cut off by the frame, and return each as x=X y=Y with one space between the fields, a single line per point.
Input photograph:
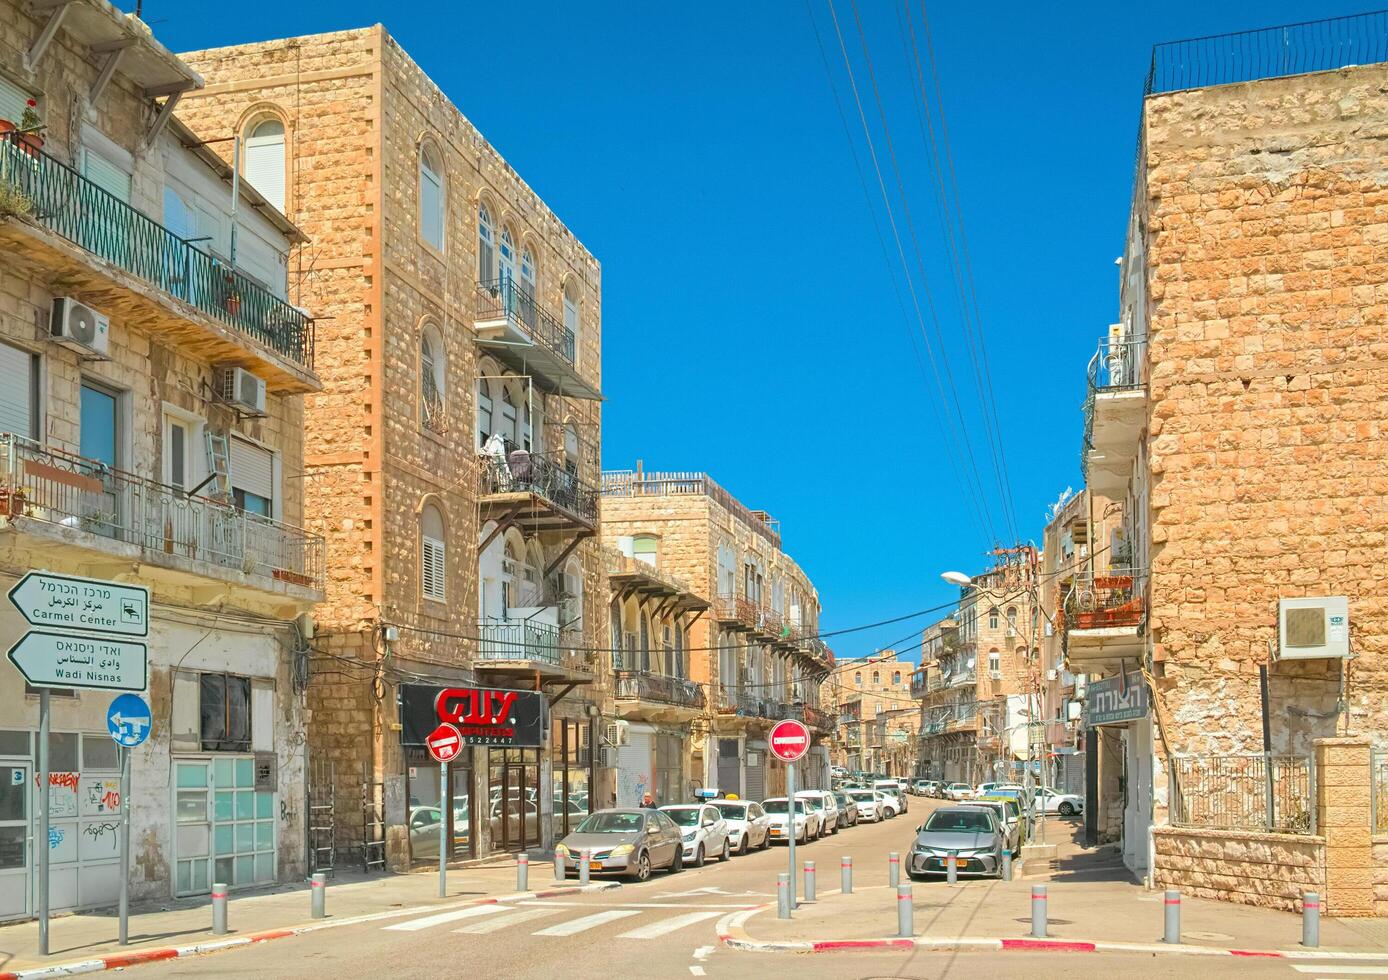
x=958 y=791
x=1011 y=828
x=983 y=789
x=624 y=842
x=972 y=833
x=865 y=803
x=918 y=786
x=703 y=831
x=848 y=810
x=887 y=804
x=1065 y=804
x=806 y=821
x=749 y=827
x=1013 y=813
x=894 y=788
x=826 y=806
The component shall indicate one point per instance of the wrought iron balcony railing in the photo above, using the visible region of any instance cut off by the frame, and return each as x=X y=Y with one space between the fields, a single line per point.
x=817 y=718
x=640 y=685
x=71 y=491
x=548 y=479
x=518 y=639
x=1115 y=366
x=498 y=298
x=68 y=204
x=1102 y=600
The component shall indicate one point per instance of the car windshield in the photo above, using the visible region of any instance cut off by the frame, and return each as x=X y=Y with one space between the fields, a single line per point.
x=611 y=823
x=685 y=816
x=814 y=801
x=779 y=806
x=731 y=811
x=965 y=820
x=863 y=797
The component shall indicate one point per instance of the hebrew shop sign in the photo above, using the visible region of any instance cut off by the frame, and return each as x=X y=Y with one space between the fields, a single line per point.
x=482 y=715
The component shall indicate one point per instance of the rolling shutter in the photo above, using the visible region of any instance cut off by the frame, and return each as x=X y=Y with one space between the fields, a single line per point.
x=106 y=175
x=16 y=391
x=252 y=469
x=12 y=101
x=265 y=161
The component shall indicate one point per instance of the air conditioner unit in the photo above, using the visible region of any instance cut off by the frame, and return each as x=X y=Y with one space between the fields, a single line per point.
x=609 y=757
x=1313 y=629
x=1011 y=631
x=995 y=674
x=241 y=388
x=616 y=734
x=80 y=327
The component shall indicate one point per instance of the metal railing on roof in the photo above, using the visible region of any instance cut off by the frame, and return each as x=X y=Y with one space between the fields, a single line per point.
x=628 y=483
x=89 y=216
x=1268 y=52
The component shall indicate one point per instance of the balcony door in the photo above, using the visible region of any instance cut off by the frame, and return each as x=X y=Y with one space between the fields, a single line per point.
x=100 y=444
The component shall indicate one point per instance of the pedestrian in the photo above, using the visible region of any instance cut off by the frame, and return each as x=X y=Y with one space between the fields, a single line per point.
x=648 y=802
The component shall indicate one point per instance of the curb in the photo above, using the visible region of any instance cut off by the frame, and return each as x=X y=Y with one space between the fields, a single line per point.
x=119 y=961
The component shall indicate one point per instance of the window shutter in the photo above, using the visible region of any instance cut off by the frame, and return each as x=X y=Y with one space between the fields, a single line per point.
x=106 y=175
x=265 y=166
x=16 y=391
x=486 y=260
x=430 y=207
x=12 y=101
x=262 y=714
x=186 y=724
x=252 y=469
x=434 y=565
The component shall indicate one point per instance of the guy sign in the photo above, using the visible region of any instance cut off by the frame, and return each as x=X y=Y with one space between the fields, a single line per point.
x=790 y=740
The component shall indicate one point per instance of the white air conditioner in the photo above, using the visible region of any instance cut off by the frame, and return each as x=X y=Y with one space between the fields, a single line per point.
x=241 y=388
x=616 y=733
x=995 y=674
x=80 y=327
x=609 y=757
x=1011 y=631
x=1313 y=629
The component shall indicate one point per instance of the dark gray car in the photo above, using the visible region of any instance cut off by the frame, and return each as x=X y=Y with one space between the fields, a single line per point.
x=624 y=842
x=972 y=833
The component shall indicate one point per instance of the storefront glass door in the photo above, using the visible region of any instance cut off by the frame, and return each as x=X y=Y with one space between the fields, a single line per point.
x=513 y=780
x=15 y=852
x=226 y=827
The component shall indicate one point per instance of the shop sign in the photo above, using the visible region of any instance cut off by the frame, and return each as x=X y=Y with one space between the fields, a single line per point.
x=482 y=716
x=1116 y=700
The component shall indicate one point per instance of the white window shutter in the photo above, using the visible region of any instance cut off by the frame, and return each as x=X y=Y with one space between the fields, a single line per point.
x=13 y=100
x=185 y=729
x=262 y=714
x=106 y=175
x=434 y=567
x=252 y=469
x=265 y=167
x=16 y=391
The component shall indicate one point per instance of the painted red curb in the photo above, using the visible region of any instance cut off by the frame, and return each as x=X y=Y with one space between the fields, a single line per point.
x=1057 y=945
x=830 y=944
x=1257 y=952
x=132 y=959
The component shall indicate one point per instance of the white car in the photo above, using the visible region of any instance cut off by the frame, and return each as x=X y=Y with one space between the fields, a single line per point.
x=887 y=804
x=807 y=821
x=749 y=827
x=892 y=788
x=870 y=808
x=826 y=806
x=983 y=789
x=1065 y=804
x=703 y=830
x=959 y=791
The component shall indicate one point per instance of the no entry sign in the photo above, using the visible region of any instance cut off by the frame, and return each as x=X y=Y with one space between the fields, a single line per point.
x=444 y=743
x=790 y=740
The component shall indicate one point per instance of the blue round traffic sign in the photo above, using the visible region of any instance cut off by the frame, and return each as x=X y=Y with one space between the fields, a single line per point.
x=129 y=720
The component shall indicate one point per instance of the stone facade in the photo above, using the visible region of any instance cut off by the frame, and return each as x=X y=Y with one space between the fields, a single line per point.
x=880 y=685
x=1268 y=870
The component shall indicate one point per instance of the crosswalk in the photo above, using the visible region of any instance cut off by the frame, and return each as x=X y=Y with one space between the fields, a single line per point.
x=1356 y=967
x=645 y=920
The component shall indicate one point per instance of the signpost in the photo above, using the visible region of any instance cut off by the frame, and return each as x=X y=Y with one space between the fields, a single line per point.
x=789 y=741
x=84 y=646
x=129 y=721
x=444 y=743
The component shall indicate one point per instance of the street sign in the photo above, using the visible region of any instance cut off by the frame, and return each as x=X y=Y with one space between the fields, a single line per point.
x=790 y=740
x=128 y=720
x=444 y=743
x=85 y=605
x=48 y=659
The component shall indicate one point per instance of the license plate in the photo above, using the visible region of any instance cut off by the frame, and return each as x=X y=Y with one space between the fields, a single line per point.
x=775 y=832
x=594 y=865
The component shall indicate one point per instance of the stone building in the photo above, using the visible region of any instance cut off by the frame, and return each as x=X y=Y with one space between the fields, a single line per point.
x=153 y=362
x=756 y=653
x=948 y=705
x=1236 y=414
x=869 y=687
x=451 y=460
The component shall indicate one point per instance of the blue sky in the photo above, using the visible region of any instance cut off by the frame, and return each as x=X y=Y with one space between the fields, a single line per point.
x=751 y=327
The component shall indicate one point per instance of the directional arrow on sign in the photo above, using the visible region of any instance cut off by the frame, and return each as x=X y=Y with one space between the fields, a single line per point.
x=120 y=719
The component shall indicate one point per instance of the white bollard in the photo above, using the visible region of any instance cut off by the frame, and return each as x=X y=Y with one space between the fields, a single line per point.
x=1171 y=921
x=219 y=909
x=893 y=869
x=1311 y=920
x=522 y=872
x=318 y=889
x=1038 y=911
x=584 y=857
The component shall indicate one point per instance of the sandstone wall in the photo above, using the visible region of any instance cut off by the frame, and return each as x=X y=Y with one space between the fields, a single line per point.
x=1380 y=875
x=1266 y=870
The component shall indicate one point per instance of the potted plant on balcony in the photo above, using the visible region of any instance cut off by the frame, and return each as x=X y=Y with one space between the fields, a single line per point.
x=12 y=500
x=27 y=130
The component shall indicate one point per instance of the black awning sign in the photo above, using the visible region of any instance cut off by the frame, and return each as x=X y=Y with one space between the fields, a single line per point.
x=483 y=716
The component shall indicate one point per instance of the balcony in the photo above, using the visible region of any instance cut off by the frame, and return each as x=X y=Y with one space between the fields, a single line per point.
x=528 y=648
x=1104 y=617
x=1115 y=413
x=644 y=696
x=513 y=325
x=961 y=678
x=536 y=492
x=735 y=612
x=817 y=718
x=628 y=575
x=94 y=246
x=62 y=503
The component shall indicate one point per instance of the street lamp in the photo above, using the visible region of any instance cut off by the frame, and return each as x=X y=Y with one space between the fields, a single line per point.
x=957 y=578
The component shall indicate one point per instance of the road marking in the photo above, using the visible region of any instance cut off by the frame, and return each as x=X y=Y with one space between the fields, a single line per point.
x=641 y=905
x=1377 y=971
x=505 y=921
x=698 y=971
x=586 y=922
x=703 y=952
x=414 y=925
x=665 y=926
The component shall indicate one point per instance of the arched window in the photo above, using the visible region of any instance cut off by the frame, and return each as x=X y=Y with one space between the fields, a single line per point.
x=433 y=555
x=431 y=197
x=645 y=642
x=265 y=159
x=528 y=297
x=484 y=411
x=645 y=547
x=486 y=246
x=1012 y=620
x=858 y=679
x=508 y=415
x=572 y=606
x=507 y=267
x=727 y=572
x=510 y=586
x=667 y=651
x=431 y=381
x=678 y=668
x=527 y=429
x=876 y=677
x=896 y=677
x=993 y=618
x=571 y=320
x=571 y=448
x=994 y=663
x=614 y=625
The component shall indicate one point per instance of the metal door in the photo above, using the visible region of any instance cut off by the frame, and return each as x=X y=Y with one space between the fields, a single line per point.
x=16 y=851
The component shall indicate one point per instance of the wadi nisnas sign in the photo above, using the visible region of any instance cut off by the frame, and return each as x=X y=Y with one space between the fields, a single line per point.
x=482 y=715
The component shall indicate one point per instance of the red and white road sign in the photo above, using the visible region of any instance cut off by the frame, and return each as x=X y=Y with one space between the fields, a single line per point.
x=444 y=743
x=790 y=740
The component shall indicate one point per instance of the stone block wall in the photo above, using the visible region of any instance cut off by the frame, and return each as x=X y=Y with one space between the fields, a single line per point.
x=1380 y=874
x=1265 y=870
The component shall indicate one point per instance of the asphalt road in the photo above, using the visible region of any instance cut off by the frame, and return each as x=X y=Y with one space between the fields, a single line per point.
x=663 y=928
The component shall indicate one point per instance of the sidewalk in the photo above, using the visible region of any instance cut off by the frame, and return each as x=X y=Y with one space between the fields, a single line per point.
x=1091 y=898
x=157 y=931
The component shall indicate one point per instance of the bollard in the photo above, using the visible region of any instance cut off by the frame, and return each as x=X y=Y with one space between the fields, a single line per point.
x=952 y=868
x=893 y=869
x=905 y=912
x=1311 y=920
x=1006 y=865
x=809 y=881
x=219 y=910
x=584 y=857
x=559 y=873
x=1171 y=933
x=522 y=872
x=846 y=875
x=1038 y=911
x=783 y=896
x=318 y=890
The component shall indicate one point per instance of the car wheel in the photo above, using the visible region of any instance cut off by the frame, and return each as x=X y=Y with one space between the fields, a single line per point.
x=727 y=851
x=699 y=857
x=1067 y=809
x=643 y=867
x=766 y=841
x=677 y=865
